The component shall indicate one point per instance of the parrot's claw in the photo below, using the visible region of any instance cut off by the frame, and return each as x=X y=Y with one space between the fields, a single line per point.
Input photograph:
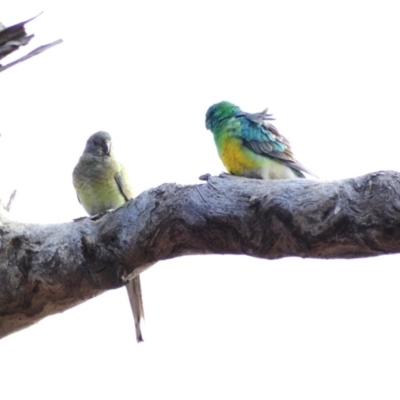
x=100 y=215
x=79 y=219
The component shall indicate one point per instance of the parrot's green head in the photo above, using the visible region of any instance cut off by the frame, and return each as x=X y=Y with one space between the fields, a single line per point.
x=219 y=112
x=99 y=144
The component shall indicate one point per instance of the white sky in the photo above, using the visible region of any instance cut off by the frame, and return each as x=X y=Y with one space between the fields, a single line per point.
x=219 y=327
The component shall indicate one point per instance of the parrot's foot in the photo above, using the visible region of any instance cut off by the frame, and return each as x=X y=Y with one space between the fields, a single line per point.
x=94 y=217
x=225 y=175
x=99 y=215
x=78 y=219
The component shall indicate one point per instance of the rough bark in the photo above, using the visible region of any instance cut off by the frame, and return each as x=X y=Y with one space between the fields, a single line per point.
x=45 y=269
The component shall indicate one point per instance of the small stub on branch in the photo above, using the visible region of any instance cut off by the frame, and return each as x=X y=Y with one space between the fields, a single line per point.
x=10 y=201
x=205 y=177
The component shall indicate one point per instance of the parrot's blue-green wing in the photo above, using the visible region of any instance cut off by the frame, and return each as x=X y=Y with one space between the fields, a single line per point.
x=264 y=139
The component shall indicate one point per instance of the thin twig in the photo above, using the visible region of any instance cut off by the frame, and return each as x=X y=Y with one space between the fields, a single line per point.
x=35 y=52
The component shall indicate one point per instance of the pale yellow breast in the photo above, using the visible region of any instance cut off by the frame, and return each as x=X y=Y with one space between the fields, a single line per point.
x=236 y=158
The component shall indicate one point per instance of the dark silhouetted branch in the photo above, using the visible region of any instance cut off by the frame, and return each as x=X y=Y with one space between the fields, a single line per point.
x=13 y=37
x=48 y=269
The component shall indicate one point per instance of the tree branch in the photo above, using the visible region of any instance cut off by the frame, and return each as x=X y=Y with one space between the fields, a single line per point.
x=48 y=269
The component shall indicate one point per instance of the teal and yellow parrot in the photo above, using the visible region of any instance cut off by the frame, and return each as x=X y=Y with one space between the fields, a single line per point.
x=249 y=145
x=101 y=184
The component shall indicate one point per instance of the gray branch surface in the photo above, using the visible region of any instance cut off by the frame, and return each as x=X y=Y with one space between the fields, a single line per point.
x=46 y=269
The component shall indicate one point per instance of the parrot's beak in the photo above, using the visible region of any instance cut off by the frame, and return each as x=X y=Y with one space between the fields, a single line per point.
x=106 y=147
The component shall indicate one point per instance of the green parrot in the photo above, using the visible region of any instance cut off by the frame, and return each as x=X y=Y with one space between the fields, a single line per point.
x=249 y=145
x=101 y=184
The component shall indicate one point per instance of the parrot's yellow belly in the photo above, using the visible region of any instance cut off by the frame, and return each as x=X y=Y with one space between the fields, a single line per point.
x=241 y=161
x=96 y=199
x=236 y=158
